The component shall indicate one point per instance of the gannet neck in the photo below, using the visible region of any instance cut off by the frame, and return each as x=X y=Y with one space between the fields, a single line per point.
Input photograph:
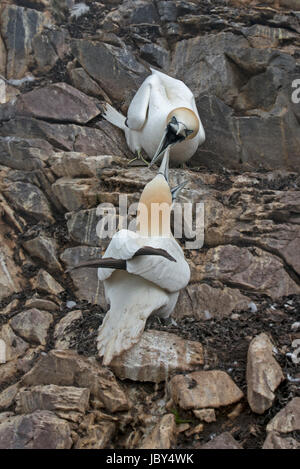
x=154 y=209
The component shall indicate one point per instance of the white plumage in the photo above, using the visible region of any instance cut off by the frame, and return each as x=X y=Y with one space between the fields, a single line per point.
x=146 y=284
x=150 y=285
x=150 y=114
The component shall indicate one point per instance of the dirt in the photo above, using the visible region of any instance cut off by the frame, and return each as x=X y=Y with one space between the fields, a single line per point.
x=226 y=343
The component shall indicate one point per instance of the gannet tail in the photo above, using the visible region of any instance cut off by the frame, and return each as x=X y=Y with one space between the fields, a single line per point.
x=114 y=117
x=125 y=321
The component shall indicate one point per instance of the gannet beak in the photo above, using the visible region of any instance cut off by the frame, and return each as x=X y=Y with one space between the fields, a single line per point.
x=164 y=167
x=164 y=144
x=176 y=190
x=175 y=132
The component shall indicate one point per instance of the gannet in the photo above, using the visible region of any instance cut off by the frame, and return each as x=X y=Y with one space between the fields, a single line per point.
x=142 y=271
x=162 y=114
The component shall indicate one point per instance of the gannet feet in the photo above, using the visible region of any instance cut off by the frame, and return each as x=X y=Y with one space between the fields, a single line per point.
x=139 y=157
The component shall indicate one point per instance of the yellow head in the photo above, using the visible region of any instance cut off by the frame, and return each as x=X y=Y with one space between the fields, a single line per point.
x=183 y=122
x=154 y=208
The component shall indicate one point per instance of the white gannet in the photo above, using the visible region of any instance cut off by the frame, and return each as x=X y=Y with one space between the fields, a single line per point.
x=162 y=114
x=142 y=271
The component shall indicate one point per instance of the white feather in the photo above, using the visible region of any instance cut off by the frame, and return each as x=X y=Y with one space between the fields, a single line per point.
x=150 y=285
x=132 y=300
x=79 y=9
x=158 y=95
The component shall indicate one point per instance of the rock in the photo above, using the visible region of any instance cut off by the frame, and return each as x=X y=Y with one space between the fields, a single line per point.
x=10 y=308
x=98 y=436
x=24 y=154
x=45 y=249
x=223 y=441
x=45 y=283
x=277 y=138
x=41 y=303
x=11 y=280
x=114 y=68
x=7 y=371
x=263 y=374
x=73 y=164
x=40 y=430
x=58 y=102
x=32 y=325
x=236 y=411
x=82 y=226
x=82 y=81
x=54 y=398
x=262 y=37
x=156 y=55
x=204 y=302
x=105 y=140
x=75 y=194
x=207 y=415
x=61 y=333
x=66 y=368
x=202 y=389
x=15 y=346
x=217 y=118
x=202 y=64
x=2 y=58
x=288 y=419
x=7 y=398
x=5 y=415
x=275 y=441
x=195 y=430
x=267 y=220
x=48 y=47
x=29 y=200
x=85 y=280
x=157 y=356
x=18 y=27
x=248 y=268
x=163 y=436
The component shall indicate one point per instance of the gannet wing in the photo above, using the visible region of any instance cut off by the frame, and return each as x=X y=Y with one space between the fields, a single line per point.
x=132 y=300
x=171 y=276
x=137 y=111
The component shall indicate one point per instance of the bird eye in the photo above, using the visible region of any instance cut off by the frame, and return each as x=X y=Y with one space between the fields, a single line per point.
x=188 y=132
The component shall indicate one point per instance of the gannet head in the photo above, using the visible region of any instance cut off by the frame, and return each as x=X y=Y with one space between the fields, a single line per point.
x=154 y=208
x=182 y=124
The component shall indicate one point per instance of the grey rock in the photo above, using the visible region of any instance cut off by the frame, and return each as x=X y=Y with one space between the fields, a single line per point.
x=48 y=47
x=53 y=398
x=29 y=200
x=263 y=374
x=32 y=325
x=287 y=419
x=157 y=356
x=114 y=68
x=18 y=27
x=45 y=283
x=223 y=441
x=204 y=389
x=63 y=336
x=67 y=368
x=15 y=346
x=156 y=55
x=88 y=286
x=58 y=102
x=40 y=430
x=45 y=249
x=24 y=154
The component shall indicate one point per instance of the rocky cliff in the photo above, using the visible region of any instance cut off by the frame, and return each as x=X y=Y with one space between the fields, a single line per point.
x=225 y=373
